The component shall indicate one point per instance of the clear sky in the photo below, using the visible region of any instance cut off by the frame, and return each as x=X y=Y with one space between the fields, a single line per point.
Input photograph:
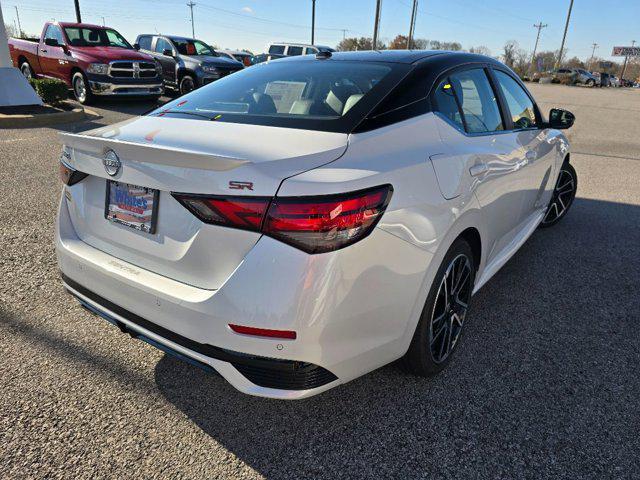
x=252 y=24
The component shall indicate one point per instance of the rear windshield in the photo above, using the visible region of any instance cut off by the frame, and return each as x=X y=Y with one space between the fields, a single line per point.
x=290 y=93
x=95 y=37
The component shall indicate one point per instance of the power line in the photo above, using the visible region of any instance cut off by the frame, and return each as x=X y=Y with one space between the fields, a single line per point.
x=192 y=4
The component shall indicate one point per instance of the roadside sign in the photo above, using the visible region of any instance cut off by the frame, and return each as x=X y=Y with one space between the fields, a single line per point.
x=626 y=52
x=606 y=64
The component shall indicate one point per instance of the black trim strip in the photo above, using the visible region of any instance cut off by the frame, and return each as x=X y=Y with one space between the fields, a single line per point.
x=263 y=371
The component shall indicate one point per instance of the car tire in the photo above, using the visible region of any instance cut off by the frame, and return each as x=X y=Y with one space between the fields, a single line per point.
x=591 y=82
x=440 y=327
x=563 y=195
x=187 y=84
x=26 y=70
x=81 y=89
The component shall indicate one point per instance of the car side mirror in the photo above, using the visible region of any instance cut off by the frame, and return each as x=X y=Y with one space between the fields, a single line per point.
x=51 y=42
x=167 y=52
x=136 y=46
x=561 y=119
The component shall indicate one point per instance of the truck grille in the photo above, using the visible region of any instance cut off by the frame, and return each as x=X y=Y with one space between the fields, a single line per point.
x=131 y=69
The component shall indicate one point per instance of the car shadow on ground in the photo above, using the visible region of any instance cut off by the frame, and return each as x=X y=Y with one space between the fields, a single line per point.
x=545 y=379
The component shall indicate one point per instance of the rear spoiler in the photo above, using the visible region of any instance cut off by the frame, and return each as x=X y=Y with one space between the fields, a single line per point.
x=150 y=153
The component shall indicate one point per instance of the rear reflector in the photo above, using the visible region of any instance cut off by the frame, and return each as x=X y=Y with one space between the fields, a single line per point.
x=264 y=332
x=314 y=224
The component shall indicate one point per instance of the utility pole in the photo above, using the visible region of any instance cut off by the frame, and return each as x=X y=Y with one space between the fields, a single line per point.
x=103 y=23
x=539 y=26
x=626 y=58
x=564 y=37
x=19 y=26
x=412 y=25
x=192 y=4
x=78 y=17
x=344 y=33
x=593 y=53
x=376 y=25
x=313 y=21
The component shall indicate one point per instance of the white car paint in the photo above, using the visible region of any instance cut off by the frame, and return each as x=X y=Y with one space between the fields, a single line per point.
x=355 y=309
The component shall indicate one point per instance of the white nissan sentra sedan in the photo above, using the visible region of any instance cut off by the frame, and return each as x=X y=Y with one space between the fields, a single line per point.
x=302 y=222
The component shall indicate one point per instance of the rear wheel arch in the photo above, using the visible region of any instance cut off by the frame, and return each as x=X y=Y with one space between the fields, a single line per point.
x=472 y=236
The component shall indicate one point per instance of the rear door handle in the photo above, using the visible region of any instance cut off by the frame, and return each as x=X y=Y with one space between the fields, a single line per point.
x=479 y=169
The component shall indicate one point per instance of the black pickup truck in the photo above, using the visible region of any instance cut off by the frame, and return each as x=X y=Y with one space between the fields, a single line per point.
x=187 y=63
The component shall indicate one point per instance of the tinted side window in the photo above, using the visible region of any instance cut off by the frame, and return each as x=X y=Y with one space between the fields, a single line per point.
x=446 y=104
x=145 y=42
x=276 y=49
x=294 y=51
x=162 y=45
x=478 y=101
x=520 y=105
x=310 y=51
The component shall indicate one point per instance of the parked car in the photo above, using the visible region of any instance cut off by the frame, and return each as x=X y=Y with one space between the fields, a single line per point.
x=574 y=76
x=305 y=221
x=265 y=57
x=294 y=49
x=90 y=59
x=187 y=63
x=238 y=55
x=614 y=81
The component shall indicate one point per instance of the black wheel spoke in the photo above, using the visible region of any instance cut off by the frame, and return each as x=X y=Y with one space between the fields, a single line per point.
x=450 y=307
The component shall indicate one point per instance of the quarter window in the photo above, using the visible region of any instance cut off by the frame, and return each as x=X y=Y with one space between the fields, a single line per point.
x=520 y=105
x=446 y=103
x=477 y=100
x=276 y=49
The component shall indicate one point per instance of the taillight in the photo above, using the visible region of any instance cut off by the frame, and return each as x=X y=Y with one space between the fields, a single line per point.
x=314 y=224
x=329 y=222
x=246 y=213
x=68 y=175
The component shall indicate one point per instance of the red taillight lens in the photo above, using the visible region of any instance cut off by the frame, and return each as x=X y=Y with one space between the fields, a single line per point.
x=329 y=222
x=314 y=224
x=246 y=213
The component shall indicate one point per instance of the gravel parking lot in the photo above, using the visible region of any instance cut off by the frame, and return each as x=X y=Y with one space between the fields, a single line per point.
x=545 y=384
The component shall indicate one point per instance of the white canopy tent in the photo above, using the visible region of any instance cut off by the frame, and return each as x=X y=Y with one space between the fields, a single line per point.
x=14 y=88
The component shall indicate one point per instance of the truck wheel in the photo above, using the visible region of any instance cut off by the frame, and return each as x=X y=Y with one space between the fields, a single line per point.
x=591 y=82
x=81 y=89
x=25 y=68
x=187 y=84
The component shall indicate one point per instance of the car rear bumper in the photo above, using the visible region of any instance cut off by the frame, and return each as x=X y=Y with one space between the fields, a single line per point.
x=351 y=312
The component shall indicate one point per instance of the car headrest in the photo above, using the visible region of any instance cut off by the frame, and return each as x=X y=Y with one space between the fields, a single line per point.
x=301 y=107
x=338 y=95
x=191 y=49
x=262 y=104
x=351 y=101
x=93 y=36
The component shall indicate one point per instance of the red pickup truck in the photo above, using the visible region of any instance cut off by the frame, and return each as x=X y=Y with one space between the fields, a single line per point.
x=90 y=59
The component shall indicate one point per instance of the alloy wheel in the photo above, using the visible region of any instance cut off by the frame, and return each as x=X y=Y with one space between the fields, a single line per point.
x=562 y=197
x=186 y=85
x=450 y=308
x=80 y=89
x=26 y=71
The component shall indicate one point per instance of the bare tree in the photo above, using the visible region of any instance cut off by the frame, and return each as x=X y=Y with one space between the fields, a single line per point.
x=480 y=50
